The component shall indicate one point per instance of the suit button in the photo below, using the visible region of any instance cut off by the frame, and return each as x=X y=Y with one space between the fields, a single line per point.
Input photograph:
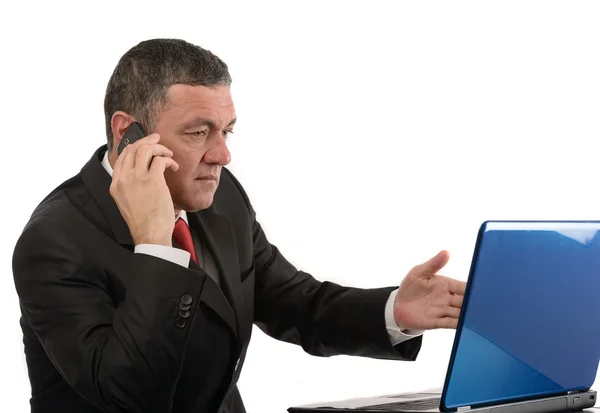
x=180 y=322
x=237 y=364
x=184 y=314
x=186 y=299
x=184 y=307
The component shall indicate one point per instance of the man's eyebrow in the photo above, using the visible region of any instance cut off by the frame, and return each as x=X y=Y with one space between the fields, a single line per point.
x=197 y=122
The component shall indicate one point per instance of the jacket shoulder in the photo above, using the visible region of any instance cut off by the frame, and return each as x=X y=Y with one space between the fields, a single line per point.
x=52 y=218
x=60 y=204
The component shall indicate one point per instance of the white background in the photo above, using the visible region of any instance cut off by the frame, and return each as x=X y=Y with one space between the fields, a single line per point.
x=370 y=136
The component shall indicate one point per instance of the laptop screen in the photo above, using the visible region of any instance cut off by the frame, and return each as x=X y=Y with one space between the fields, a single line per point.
x=530 y=325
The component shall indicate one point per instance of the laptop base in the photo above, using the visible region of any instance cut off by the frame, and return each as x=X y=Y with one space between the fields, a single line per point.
x=429 y=402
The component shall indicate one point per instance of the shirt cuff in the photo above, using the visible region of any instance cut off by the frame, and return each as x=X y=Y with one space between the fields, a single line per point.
x=397 y=333
x=175 y=255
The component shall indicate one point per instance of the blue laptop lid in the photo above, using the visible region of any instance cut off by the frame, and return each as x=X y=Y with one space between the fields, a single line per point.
x=530 y=324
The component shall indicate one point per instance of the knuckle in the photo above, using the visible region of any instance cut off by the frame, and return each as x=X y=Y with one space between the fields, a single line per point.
x=140 y=173
x=115 y=187
x=159 y=149
x=142 y=149
x=115 y=184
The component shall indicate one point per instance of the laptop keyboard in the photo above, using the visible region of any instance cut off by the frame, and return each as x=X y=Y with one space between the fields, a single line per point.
x=426 y=404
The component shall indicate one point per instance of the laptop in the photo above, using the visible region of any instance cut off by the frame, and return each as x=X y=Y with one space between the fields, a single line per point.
x=528 y=336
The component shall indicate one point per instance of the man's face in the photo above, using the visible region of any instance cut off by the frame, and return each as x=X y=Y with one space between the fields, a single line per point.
x=194 y=125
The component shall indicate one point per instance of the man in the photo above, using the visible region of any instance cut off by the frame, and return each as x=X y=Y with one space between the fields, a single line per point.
x=140 y=278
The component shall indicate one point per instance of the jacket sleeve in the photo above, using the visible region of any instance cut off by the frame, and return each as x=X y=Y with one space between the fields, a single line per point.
x=119 y=358
x=324 y=318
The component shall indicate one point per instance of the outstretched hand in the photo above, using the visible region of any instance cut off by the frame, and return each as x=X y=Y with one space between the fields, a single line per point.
x=427 y=300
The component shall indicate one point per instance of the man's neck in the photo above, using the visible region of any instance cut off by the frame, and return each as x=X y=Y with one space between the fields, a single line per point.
x=112 y=158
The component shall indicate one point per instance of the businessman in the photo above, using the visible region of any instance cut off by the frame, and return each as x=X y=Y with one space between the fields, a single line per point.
x=140 y=277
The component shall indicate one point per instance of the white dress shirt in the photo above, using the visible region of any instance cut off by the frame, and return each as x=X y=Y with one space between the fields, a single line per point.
x=181 y=257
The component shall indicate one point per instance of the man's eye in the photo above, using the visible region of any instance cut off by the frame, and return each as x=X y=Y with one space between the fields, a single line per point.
x=199 y=133
x=227 y=132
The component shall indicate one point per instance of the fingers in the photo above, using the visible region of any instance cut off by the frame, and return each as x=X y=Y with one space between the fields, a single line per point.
x=443 y=311
x=446 y=315
x=456 y=301
x=140 y=156
x=144 y=155
x=452 y=312
x=447 y=322
x=126 y=159
x=161 y=163
x=435 y=264
x=457 y=287
x=131 y=158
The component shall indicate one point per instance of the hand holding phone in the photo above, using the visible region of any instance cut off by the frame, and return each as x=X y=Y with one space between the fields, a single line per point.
x=139 y=187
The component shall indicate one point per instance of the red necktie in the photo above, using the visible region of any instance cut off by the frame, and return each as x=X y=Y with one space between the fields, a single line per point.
x=183 y=237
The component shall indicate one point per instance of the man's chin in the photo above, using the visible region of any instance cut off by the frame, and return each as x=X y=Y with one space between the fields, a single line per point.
x=198 y=204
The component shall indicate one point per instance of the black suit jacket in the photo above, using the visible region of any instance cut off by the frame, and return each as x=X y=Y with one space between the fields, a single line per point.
x=107 y=330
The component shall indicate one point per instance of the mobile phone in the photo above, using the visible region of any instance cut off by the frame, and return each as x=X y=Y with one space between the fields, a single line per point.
x=133 y=133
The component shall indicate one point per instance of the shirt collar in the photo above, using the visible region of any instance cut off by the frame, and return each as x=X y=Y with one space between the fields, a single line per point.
x=109 y=169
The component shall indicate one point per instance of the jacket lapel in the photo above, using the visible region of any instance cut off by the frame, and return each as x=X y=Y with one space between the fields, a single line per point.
x=217 y=233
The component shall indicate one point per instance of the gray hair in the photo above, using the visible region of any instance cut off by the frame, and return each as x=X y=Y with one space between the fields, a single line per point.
x=144 y=74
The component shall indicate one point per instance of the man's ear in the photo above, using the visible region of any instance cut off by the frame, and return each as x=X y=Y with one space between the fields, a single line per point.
x=119 y=123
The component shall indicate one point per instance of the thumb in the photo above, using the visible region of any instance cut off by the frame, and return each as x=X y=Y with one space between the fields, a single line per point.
x=434 y=265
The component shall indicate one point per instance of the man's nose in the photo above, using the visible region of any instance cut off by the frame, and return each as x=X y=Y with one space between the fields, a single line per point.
x=219 y=153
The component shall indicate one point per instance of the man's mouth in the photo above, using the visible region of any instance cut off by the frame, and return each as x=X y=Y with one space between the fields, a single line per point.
x=207 y=178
